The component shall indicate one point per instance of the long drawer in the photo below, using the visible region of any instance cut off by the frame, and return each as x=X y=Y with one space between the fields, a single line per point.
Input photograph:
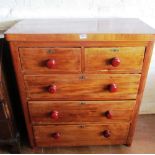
x=48 y=112
x=76 y=135
x=121 y=59
x=49 y=60
x=82 y=87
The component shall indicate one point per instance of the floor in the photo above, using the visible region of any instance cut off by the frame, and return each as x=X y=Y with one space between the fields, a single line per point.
x=144 y=142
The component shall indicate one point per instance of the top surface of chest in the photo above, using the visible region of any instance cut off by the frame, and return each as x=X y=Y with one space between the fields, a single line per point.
x=116 y=29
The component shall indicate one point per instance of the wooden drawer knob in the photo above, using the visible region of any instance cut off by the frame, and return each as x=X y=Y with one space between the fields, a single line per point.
x=55 y=115
x=50 y=63
x=108 y=114
x=106 y=133
x=115 y=62
x=113 y=87
x=56 y=135
x=52 y=89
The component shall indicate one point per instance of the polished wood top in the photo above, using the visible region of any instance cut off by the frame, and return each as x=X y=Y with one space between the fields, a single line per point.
x=80 y=29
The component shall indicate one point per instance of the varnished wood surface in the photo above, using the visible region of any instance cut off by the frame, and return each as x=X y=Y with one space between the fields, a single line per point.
x=71 y=44
x=80 y=111
x=89 y=83
x=82 y=87
x=66 y=59
x=140 y=90
x=69 y=29
x=21 y=87
x=15 y=44
x=141 y=140
x=99 y=59
x=77 y=135
x=33 y=60
x=100 y=25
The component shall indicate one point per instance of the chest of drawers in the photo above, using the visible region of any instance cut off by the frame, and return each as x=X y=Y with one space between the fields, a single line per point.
x=81 y=81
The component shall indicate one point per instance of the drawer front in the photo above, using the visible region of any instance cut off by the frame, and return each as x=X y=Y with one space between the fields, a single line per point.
x=123 y=59
x=44 y=112
x=73 y=135
x=48 y=60
x=82 y=87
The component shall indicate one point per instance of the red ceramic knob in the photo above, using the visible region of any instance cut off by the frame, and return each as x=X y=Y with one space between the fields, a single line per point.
x=52 y=89
x=50 y=63
x=56 y=135
x=54 y=115
x=115 y=62
x=108 y=114
x=113 y=87
x=106 y=133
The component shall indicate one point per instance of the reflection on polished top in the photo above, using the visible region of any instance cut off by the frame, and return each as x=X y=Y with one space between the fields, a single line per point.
x=55 y=26
x=112 y=29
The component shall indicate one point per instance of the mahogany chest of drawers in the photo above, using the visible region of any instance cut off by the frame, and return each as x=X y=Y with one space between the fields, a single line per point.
x=81 y=81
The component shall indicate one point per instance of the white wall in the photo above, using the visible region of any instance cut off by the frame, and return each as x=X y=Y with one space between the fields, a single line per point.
x=11 y=10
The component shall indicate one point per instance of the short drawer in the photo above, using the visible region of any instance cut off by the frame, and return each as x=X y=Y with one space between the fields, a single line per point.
x=48 y=60
x=82 y=87
x=44 y=112
x=73 y=135
x=122 y=59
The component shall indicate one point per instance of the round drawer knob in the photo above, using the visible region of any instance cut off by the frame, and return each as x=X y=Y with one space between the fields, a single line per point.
x=50 y=63
x=106 y=133
x=54 y=114
x=115 y=62
x=113 y=87
x=56 y=135
x=108 y=114
x=52 y=89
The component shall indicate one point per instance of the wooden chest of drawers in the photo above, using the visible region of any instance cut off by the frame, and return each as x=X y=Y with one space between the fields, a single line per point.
x=81 y=81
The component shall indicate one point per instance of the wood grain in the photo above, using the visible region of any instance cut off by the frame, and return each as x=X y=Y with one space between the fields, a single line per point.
x=83 y=49
x=99 y=59
x=76 y=37
x=91 y=87
x=66 y=59
x=80 y=111
x=21 y=87
x=71 y=44
x=146 y=64
x=77 y=135
x=81 y=25
x=71 y=30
